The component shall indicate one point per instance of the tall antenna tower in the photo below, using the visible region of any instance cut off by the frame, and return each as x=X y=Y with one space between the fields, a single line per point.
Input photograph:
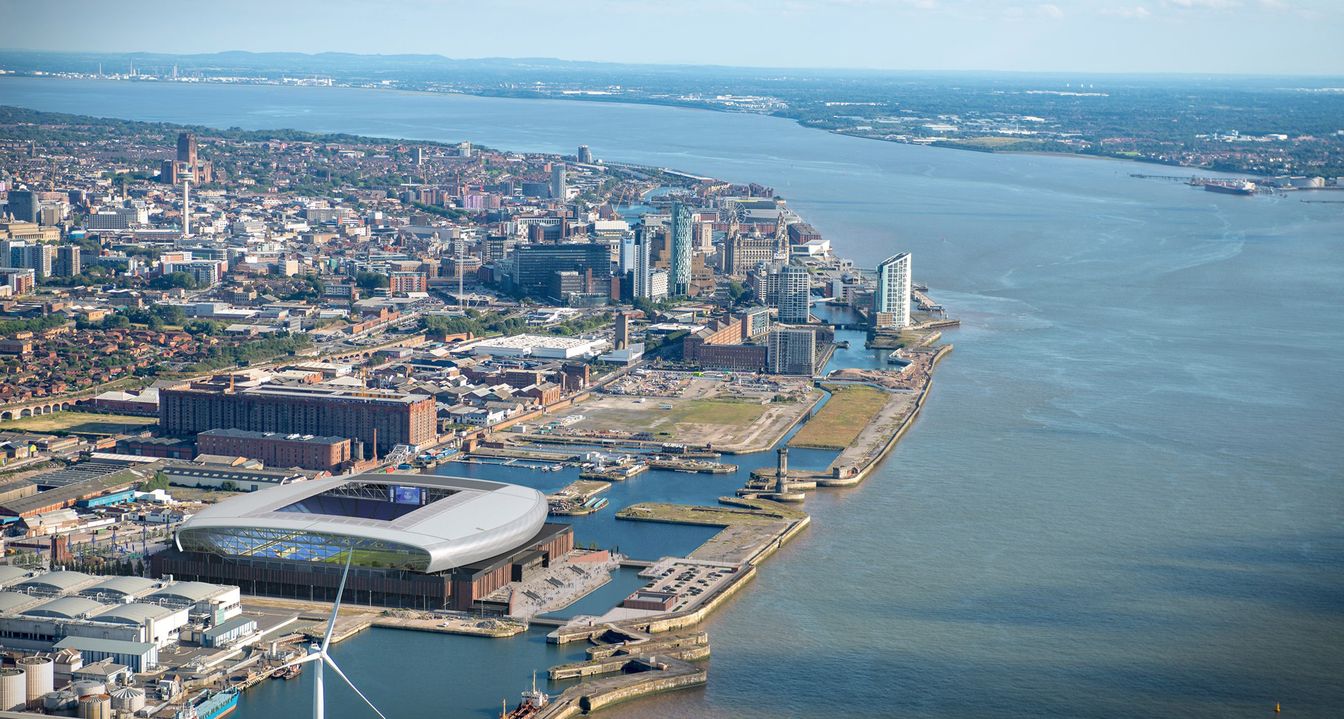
x=186 y=208
x=460 y=244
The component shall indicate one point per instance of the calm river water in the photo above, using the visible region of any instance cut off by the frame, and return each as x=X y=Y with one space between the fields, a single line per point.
x=1123 y=499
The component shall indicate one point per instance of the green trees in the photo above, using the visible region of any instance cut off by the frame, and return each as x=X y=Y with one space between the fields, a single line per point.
x=475 y=323
x=37 y=324
x=157 y=316
x=160 y=481
x=173 y=280
x=312 y=288
x=371 y=280
x=201 y=327
x=116 y=321
x=251 y=351
x=736 y=291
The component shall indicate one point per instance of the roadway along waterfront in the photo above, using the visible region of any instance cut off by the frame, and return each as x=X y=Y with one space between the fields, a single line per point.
x=1121 y=498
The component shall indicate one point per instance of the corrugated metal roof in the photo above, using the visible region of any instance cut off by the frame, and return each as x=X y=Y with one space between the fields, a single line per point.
x=59 y=581
x=228 y=626
x=120 y=587
x=66 y=608
x=136 y=613
x=109 y=646
x=189 y=591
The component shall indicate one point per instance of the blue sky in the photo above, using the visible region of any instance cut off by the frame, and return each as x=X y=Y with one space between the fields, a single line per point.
x=1198 y=36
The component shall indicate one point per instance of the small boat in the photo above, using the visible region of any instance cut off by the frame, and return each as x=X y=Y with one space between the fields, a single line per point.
x=290 y=672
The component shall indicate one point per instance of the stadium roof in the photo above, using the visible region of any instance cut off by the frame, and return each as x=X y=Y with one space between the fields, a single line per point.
x=442 y=522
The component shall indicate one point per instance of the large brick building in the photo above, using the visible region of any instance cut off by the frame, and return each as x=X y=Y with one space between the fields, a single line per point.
x=380 y=419
x=329 y=454
x=719 y=345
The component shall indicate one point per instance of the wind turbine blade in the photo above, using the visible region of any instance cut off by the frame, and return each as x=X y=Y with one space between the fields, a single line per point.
x=332 y=663
x=345 y=574
x=301 y=660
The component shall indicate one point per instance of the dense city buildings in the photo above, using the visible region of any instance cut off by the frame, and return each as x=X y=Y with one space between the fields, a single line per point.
x=138 y=285
x=298 y=322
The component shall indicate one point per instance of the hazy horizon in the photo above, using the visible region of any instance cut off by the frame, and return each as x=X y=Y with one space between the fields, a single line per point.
x=691 y=66
x=1185 y=37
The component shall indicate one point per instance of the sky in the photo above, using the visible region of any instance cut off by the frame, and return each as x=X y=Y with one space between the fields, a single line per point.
x=1175 y=36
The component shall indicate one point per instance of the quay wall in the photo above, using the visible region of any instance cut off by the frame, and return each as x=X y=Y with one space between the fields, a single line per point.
x=826 y=481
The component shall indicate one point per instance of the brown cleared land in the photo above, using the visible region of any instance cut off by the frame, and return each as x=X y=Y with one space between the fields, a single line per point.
x=732 y=417
x=844 y=416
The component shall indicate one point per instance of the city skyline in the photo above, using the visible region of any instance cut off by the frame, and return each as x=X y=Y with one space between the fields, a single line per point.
x=1293 y=37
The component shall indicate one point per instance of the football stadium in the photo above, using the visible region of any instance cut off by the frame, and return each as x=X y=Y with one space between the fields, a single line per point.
x=416 y=540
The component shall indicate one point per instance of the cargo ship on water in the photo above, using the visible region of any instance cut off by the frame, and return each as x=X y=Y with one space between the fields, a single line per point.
x=1226 y=187
x=531 y=703
x=209 y=706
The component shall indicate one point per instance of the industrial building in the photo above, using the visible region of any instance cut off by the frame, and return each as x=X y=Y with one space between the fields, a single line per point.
x=243 y=479
x=85 y=482
x=380 y=419
x=305 y=451
x=124 y=619
x=423 y=541
x=538 y=346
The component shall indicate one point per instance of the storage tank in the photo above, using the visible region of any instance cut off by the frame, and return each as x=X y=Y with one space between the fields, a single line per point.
x=40 y=675
x=95 y=706
x=85 y=687
x=61 y=703
x=128 y=699
x=13 y=689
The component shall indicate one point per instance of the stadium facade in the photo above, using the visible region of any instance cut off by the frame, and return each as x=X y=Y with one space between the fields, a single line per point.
x=421 y=541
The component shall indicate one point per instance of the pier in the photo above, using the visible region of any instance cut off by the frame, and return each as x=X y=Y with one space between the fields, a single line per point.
x=691 y=465
x=577 y=498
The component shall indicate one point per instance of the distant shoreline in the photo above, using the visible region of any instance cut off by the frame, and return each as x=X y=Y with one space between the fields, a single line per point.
x=649 y=102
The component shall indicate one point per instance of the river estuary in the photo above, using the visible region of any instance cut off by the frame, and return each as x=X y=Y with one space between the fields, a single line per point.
x=1123 y=498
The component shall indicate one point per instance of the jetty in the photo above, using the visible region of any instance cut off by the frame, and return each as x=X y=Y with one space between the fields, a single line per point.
x=633 y=667
x=578 y=498
x=694 y=466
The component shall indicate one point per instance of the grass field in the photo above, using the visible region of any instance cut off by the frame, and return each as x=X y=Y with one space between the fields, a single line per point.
x=714 y=411
x=80 y=423
x=619 y=413
x=840 y=421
